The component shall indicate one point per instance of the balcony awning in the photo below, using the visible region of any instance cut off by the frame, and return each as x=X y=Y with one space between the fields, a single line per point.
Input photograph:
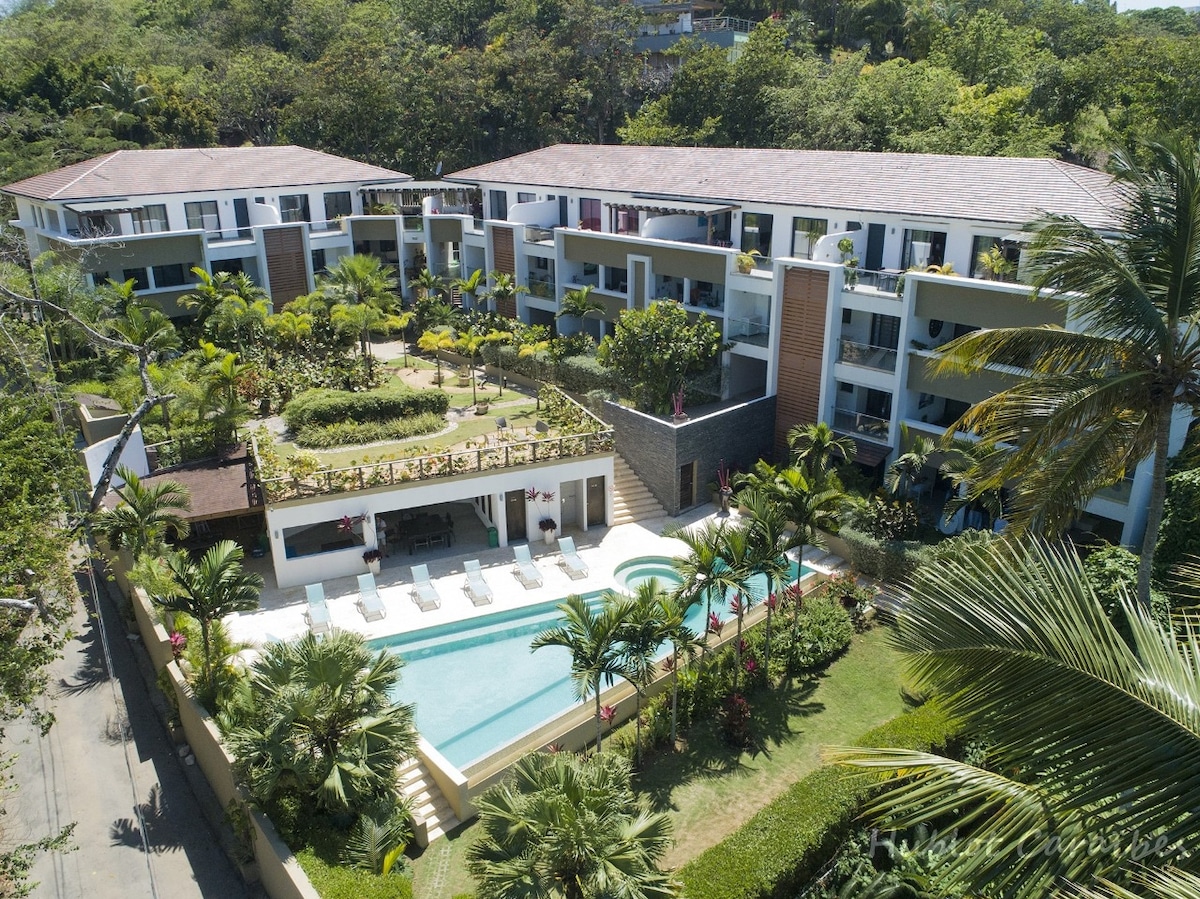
x=869 y=453
x=122 y=205
x=663 y=206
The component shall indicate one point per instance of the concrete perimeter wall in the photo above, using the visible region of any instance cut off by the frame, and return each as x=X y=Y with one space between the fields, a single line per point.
x=657 y=448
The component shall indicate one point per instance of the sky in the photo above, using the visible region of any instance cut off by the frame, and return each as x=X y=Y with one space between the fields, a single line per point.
x=1124 y=5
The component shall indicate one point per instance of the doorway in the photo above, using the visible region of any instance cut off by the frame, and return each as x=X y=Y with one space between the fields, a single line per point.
x=597 y=507
x=687 y=485
x=514 y=515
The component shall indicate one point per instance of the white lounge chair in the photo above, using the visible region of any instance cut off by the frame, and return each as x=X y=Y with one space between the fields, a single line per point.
x=423 y=592
x=369 y=602
x=524 y=570
x=569 y=561
x=317 y=613
x=476 y=587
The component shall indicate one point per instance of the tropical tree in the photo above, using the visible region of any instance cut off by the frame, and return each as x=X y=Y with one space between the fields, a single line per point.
x=469 y=286
x=222 y=403
x=770 y=541
x=1093 y=742
x=593 y=639
x=317 y=724
x=737 y=552
x=905 y=471
x=672 y=611
x=568 y=827
x=963 y=461
x=427 y=284
x=504 y=290
x=207 y=294
x=144 y=514
x=817 y=446
x=643 y=631
x=1099 y=400
x=434 y=342
x=499 y=339
x=579 y=303
x=703 y=573
x=209 y=590
x=364 y=283
x=469 y=344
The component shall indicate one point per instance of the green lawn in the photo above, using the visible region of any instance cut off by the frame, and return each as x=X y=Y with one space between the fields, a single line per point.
x=709 y=790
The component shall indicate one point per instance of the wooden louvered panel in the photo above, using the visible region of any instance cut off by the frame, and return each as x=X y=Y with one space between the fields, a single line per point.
x=504 y=260
x=287 y=266
x=801 y=351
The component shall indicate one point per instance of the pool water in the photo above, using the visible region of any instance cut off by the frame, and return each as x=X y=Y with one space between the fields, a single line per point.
x=476 y=684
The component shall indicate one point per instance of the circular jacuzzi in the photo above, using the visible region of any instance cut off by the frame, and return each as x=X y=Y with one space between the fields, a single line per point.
x=636 y=572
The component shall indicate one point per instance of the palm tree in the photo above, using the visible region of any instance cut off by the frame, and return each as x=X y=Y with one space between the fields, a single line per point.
x=427 y=284
x=1098 y=401
x=469 y=345
x=815 y=446
x=593 y=640
x=703 y=574
x=769 y=544
x=318 y=722
x=207 y=294
x=499 y=339
x=736 y=551
x=578 y=303
x=434 y=342
x=469 y=286
x=562 y=826
x=811 y=505
x=963 y=461
x=1094 y=743
x=642 y=632
x=365 y=282
x=904 y=473
x=673 y=609
x=221 y=378
x=209 y=590
x=504 y=289
x=145 y=513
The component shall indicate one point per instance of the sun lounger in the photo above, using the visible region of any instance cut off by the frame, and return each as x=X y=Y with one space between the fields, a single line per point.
x=317 y=613
x=423 y=592
x=476 y=587
x=369 y=602
x=569 y=561
x=524 y=570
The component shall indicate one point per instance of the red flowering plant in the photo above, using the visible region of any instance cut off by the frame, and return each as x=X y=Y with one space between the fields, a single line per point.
x=533 y=495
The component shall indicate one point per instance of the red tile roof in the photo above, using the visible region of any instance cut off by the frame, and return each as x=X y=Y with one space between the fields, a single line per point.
x=144 y=172
x=1010 y=191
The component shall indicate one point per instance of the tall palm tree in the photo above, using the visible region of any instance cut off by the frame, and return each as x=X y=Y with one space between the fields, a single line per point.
x=318 y=722
x=210 y=589
x=435 y=341
x=427 y=284
x=505 y=290
x=207 y=293
x=962 y=463
x=673 y=609
x=469 y=286
x=702 y=572
x=1099 y=400
x=769 y=544
x=1094 y=743
x=144 y=515
x=579 y=303
x=499 y=339
x=642 y=633
x=816 y=447
x=562 y=826
x=468 y=345
x=904 y=473
x=593 y=640
x=366 y=282
x=736 y=551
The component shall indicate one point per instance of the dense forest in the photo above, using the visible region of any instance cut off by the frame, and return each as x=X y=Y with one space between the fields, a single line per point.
x=411 y=84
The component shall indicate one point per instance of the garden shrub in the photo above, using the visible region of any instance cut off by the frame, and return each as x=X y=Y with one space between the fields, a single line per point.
x=326 y=407
x=823 y=629
x=1112 y=572
x=780 y=849
x=581 y=374
x=350 y=433
x=890 y=561
x=1179 y=535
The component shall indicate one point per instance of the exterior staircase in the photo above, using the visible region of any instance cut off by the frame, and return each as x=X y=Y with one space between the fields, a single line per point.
x=432 y=815
x=632 y=500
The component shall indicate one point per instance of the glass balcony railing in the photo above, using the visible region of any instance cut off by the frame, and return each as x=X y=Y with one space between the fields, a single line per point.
x=541 y=286
x=876 y=357
x=536 y=234
x=1118 y=492
x=750 y=330
x=882 y=282
x=862 y=424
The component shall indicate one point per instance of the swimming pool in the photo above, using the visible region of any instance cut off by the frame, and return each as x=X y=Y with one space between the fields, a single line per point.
x=477 y=686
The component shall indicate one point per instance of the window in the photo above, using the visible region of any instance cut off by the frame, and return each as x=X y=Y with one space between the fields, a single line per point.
x=843 y=387
x=137 y=276
x=387 y=246
x=150 y=219
x=169 y=275
x=756 y=232
x=805 y=234
x=99 y=279
x=885 y=331
x=524 y=197
x=628 y=221
x=318 y=262
x=1002 y=267
x=589 y=214
x=847 y=316
x=922 y=248
x=498 y=201
x=294 y=208
x=562 y=210
x=202 y=215
x=337 y=204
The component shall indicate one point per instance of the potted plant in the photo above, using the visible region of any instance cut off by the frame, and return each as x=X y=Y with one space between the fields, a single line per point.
x=724 y=489
x=548 y=526
x=373 y=557
x=677 y=406
x=745 y=261
x=849 y=261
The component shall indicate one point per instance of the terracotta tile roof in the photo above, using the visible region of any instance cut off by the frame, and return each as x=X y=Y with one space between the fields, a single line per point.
x=141 y=172
x=1009 y=191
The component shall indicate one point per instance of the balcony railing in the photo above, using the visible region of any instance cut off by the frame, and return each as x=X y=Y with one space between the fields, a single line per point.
x=860 y=423
x=541 y=286
x=722 y=23
x=877 y=357
x=749 y=330
x=536 y=234
x=414 y=223
x=884 y=282
x=1118 y=492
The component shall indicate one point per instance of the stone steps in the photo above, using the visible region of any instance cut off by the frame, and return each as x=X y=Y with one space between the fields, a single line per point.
x=432 y=815
x=632 y=500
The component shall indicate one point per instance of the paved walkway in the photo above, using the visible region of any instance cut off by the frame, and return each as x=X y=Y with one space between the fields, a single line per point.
x=109 y=766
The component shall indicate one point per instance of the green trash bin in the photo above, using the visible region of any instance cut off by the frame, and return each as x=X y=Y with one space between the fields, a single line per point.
x=493 y=537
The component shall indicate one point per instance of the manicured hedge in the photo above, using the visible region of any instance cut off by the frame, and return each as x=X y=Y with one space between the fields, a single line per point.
x=327 y=407
x=890 y=561
x=780 y=849
x=351 y=433
x=579 y=374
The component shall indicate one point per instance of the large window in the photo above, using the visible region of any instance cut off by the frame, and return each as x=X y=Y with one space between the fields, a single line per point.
x=202 y=215
x=498 y=201
x=172 y=275
x=923 y=249
x=337 y=204
x=524 y=197
x=294 y=208
x=137 y=276
x=756 y=232
x=589 y=214
x=996 y=266
x=150 y=219
x=629 y=221
x=805 y=234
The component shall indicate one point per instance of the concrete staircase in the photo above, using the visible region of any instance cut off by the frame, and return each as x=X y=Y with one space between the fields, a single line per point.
x=432 y=815
x=632 y=500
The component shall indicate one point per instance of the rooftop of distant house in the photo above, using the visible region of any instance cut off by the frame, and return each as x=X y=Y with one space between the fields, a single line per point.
x=148 y=172
x=1005 y=190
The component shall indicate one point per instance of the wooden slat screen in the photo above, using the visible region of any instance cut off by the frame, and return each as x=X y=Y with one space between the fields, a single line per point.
x=504 y=260
x=801 y=351
x=287 y=267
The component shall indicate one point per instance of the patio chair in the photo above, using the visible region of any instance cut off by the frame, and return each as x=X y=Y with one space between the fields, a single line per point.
x=524 y=570
x=369 y=602
x=569 y=559
x=423 y=592
x=317 y=613
x=476 y=587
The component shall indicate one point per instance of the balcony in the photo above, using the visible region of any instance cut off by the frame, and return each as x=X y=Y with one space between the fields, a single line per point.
x=884 y=283
x=541 y=286
x=537 y=234
x=867 y=356
x=861 y=424
x=749 y=330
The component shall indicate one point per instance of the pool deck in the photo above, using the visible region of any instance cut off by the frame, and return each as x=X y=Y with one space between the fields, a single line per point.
x=280 y=615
